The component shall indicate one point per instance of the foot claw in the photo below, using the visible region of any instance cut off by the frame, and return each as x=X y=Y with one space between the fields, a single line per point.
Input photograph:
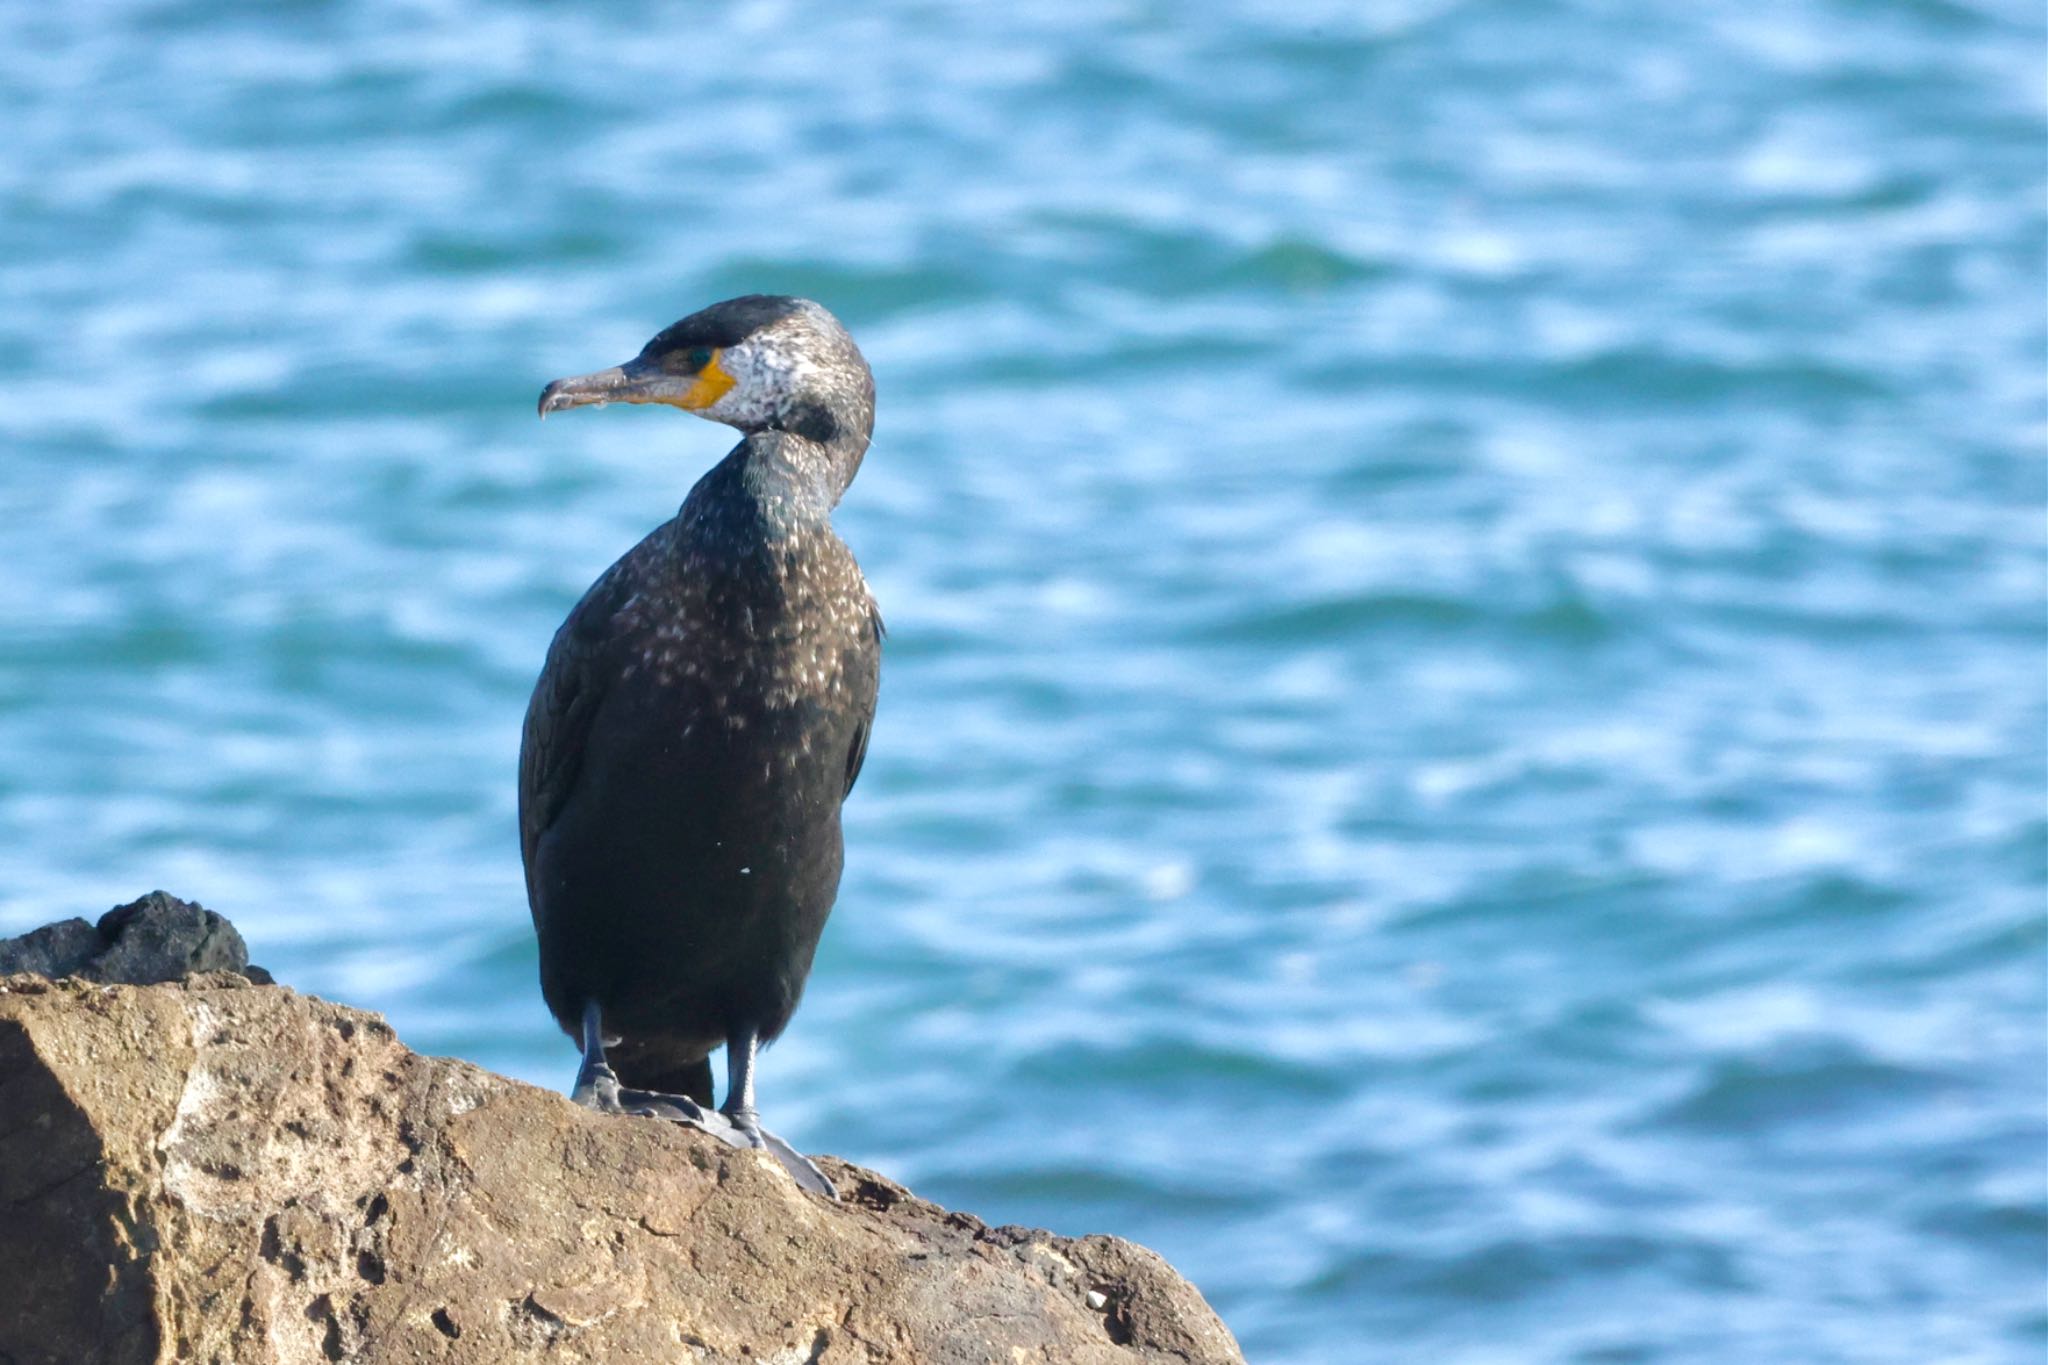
x=598 y=1088
x=653 y=1104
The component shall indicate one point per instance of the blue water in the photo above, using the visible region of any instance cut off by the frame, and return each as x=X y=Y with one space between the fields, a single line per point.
x=1465 y=730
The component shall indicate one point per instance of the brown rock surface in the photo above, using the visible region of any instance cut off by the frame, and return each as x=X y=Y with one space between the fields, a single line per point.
x=213 y=1170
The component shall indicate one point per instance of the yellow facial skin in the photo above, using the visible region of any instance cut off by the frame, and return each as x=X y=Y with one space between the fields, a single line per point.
x=713 y=383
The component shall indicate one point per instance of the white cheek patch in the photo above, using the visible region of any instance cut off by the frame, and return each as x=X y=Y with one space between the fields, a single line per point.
x=732 y=404
x=761 y=372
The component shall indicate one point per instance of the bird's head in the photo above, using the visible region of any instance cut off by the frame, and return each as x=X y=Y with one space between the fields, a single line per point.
x=762 y=362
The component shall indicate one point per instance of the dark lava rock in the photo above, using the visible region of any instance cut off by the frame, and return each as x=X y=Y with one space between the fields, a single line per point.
x=146 y=942
x=161 y=938
x=65 y=948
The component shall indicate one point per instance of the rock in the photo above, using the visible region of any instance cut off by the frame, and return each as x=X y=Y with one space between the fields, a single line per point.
x=215 y=1171
x=65 y=948
x=157 y=938
x=161 y=938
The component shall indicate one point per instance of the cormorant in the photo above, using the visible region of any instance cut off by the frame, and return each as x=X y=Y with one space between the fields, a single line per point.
x=701 y=716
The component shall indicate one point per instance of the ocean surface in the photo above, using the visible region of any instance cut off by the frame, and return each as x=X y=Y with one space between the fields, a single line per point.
x=1464 y=733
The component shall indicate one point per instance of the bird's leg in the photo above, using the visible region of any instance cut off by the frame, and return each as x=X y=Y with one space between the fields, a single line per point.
x=740 y=1048
x=597 y=1087
x=741 y=1045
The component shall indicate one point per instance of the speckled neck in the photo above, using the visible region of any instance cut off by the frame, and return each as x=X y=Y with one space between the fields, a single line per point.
x=793 y=479
x=823 y=435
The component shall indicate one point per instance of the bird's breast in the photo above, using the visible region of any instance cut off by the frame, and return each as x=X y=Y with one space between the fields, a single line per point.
x=748 y=641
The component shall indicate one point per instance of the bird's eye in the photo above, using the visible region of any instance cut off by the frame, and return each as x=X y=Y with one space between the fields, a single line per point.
x=697 y=357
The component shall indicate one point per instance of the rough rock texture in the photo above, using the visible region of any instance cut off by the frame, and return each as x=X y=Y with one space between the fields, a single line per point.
x=220 y=1171
x=157 y=938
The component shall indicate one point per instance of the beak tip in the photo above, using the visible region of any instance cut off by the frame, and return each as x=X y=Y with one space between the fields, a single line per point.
x=619 y=384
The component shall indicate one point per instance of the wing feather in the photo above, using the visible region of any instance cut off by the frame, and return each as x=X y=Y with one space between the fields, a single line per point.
x=867 y=688
x=566 y=700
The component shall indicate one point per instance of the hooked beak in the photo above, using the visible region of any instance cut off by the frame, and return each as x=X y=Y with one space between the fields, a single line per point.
x=636 y=381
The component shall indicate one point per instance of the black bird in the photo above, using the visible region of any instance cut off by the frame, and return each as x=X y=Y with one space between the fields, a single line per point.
x=701 y=716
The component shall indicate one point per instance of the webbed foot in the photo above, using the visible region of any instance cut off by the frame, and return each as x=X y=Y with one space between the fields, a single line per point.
x=748 y=1132
x=597 y=1087
x=736 y=1125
